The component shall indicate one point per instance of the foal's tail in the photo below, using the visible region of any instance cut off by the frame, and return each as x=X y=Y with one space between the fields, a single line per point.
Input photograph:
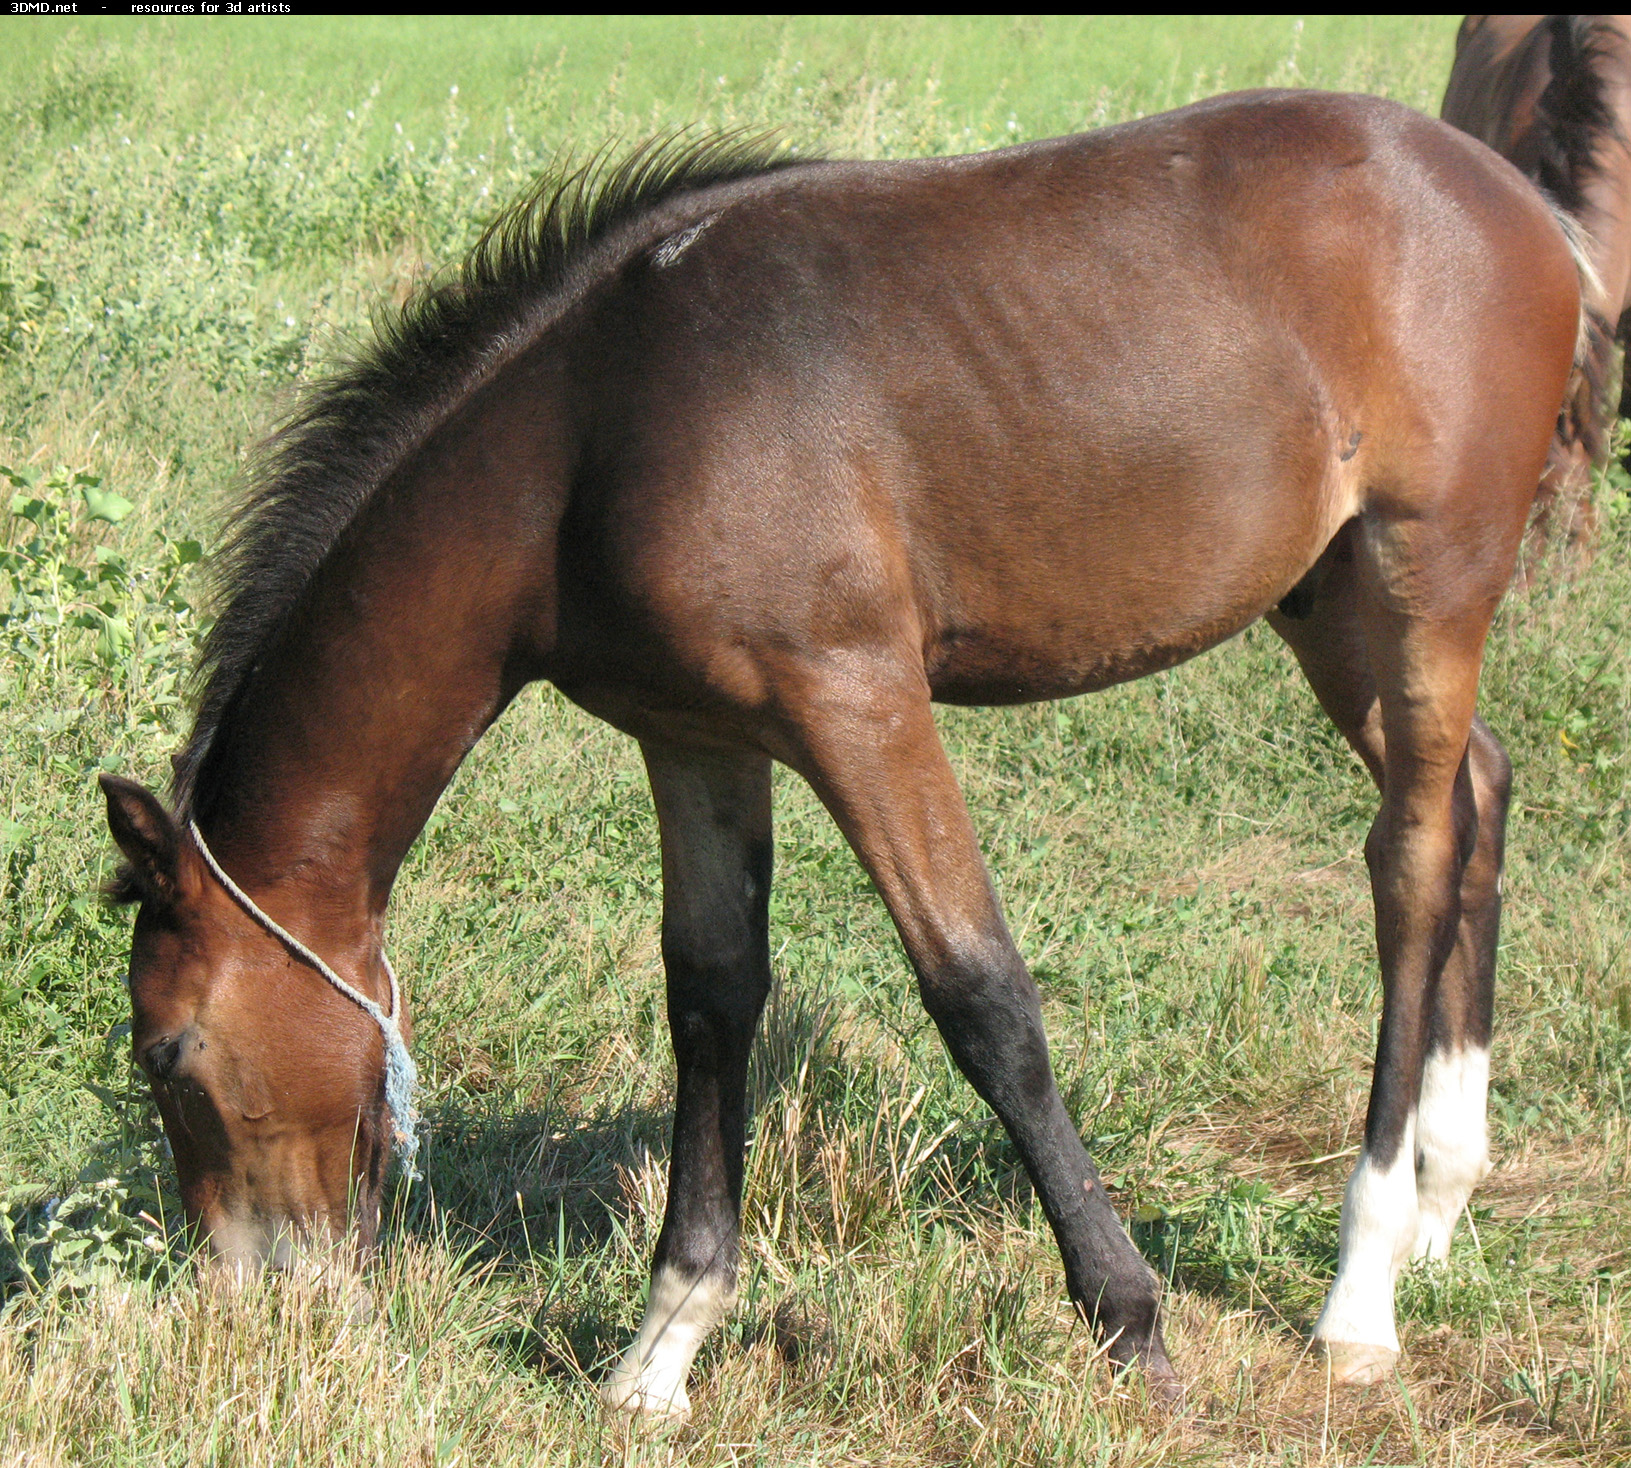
x=1593 y=346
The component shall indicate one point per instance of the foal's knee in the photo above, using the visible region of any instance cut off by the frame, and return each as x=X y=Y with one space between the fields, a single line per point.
x=976 y=979
x=717 y=987
x=711 y=1021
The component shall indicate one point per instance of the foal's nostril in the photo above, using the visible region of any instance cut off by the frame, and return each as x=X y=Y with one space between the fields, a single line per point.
x=159 y=1059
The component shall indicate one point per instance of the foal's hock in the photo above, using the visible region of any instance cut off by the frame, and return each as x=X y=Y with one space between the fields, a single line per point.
x=755 y=460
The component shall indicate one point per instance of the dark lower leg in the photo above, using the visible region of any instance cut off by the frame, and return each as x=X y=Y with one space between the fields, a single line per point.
x=879 y=767
x=988 y=1012
x=711 y=1044
x=714 y=815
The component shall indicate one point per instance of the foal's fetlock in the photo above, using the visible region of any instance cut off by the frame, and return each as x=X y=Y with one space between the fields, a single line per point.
x=1131 y=1330
x=1142 y=1351
x=680 y=1311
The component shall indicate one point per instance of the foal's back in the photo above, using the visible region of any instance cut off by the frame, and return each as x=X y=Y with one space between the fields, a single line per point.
x=1051 y=417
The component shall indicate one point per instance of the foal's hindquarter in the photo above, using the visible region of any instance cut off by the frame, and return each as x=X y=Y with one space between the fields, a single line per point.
x=1134 y=406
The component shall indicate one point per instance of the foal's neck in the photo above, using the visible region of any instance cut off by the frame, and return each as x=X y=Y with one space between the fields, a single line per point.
x=412 y=636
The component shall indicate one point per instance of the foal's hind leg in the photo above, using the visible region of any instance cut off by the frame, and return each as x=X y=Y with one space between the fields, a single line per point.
x=1452 y=1136
x=1400 y=686
x=713 y=812
x=870 y=749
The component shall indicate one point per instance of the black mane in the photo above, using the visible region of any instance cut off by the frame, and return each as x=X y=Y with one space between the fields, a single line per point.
x=313 y=477
x=1575 y=114
x=1574 y=119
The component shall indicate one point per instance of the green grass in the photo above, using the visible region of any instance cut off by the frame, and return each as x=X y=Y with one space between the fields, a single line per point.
x=1051 y=74
x=1180 y=860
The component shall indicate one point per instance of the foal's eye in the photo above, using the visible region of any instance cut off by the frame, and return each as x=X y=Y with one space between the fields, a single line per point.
x=159 y=1059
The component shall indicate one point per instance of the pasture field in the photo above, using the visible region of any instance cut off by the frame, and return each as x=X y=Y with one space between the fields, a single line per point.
x=190 y=225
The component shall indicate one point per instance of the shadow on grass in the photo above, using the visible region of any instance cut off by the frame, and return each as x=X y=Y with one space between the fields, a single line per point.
x=539 y=1193
x=498 y=1177
x=1247 y=1247
x=552 y=1193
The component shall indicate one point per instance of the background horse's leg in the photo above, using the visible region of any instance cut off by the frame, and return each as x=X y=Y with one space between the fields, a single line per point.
x=1399 y=678
x=871 y=751
x=713 y=812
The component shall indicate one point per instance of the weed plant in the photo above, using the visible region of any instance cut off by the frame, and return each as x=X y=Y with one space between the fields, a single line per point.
x=1180 y=860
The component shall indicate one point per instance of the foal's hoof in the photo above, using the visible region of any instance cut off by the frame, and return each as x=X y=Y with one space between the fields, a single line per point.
x=1353 y=1364
x=640 y=1401
x=1162 y=1384
x=1167 y=1390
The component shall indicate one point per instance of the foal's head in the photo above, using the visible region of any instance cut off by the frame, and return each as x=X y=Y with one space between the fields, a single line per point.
x=271 y=1084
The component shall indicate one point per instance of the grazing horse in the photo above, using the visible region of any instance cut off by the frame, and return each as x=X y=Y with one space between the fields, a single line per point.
x=1552 y=93
x=755 y=460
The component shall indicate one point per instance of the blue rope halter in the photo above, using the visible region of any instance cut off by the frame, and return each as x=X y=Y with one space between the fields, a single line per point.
x=401 y=1075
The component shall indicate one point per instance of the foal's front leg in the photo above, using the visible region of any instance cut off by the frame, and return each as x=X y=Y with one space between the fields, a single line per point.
x=714 y=815
x=872 y=753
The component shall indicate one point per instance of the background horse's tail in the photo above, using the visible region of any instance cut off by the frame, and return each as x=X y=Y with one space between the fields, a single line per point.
x=1541 y=92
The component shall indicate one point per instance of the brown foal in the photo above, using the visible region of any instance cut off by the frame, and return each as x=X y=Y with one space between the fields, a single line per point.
x=756 y=462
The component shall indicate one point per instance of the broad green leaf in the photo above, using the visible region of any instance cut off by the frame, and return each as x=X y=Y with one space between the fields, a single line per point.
x=114 y=640
x=104 y=504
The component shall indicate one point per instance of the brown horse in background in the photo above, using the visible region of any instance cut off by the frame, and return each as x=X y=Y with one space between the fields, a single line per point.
x=1552 y=93
x=756 y=461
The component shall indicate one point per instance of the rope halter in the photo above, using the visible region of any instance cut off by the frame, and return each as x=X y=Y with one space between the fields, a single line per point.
x=401 y=1075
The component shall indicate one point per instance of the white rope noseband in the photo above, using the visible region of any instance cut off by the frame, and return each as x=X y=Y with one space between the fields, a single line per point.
x=400 y=1073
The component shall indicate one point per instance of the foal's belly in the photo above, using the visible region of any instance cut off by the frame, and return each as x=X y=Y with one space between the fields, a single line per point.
x=1056 y=612
x=1013 y=662
x=1000 y=666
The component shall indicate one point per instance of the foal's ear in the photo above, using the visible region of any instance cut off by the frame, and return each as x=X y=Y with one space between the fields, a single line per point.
x=148 y=836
